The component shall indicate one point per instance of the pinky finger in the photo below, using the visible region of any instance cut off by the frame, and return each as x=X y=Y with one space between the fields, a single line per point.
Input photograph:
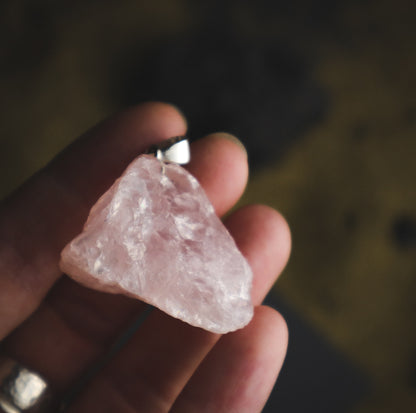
x=239 y=373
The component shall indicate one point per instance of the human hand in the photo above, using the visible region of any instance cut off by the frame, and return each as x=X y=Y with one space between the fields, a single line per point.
x=58 y=328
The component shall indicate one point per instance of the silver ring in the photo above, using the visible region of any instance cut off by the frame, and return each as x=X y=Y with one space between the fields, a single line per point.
x=21 y=389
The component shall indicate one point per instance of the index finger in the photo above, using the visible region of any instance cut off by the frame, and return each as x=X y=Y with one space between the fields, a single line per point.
x=37 y=220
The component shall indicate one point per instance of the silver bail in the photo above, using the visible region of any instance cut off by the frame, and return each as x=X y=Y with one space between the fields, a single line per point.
x=174 y=150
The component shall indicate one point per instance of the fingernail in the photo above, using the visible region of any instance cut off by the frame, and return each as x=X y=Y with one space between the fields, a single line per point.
x=233 y=139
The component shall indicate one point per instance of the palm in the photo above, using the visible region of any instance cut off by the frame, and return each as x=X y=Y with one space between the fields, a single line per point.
x=167 y=365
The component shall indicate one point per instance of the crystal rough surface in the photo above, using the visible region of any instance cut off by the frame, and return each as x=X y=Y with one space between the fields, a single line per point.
x=154 y=235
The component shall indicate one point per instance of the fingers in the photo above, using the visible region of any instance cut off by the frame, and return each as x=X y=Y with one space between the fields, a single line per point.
x=162 y=356
x=37 y=221
x=239 y=373
x=153 y=368
x=84 y=322
x=48 y=341
x=222 y=171
x=89 y=166
x=264 y=237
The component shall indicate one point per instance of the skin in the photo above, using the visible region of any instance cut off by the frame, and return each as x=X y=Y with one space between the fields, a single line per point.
x=58 y=328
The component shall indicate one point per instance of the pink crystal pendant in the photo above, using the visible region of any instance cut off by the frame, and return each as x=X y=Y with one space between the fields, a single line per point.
x=155 y=236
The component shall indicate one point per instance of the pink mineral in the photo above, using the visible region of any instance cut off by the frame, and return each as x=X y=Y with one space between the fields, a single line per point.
x=154 y=236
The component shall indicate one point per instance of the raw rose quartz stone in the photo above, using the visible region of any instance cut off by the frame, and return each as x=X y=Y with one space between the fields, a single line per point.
x=154 y=235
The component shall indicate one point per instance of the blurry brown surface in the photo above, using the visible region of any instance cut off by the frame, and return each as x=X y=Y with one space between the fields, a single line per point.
x=347 y=187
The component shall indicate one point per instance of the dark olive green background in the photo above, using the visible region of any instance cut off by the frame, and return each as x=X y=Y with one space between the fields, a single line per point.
x=341 y=186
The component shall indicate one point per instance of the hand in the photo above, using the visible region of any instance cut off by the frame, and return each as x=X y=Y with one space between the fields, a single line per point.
x=59 y=328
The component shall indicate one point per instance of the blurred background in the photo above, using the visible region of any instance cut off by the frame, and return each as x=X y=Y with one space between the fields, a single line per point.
x=322 y=94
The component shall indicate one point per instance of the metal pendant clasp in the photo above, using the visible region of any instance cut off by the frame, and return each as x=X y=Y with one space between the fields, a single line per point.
x=174 y=150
